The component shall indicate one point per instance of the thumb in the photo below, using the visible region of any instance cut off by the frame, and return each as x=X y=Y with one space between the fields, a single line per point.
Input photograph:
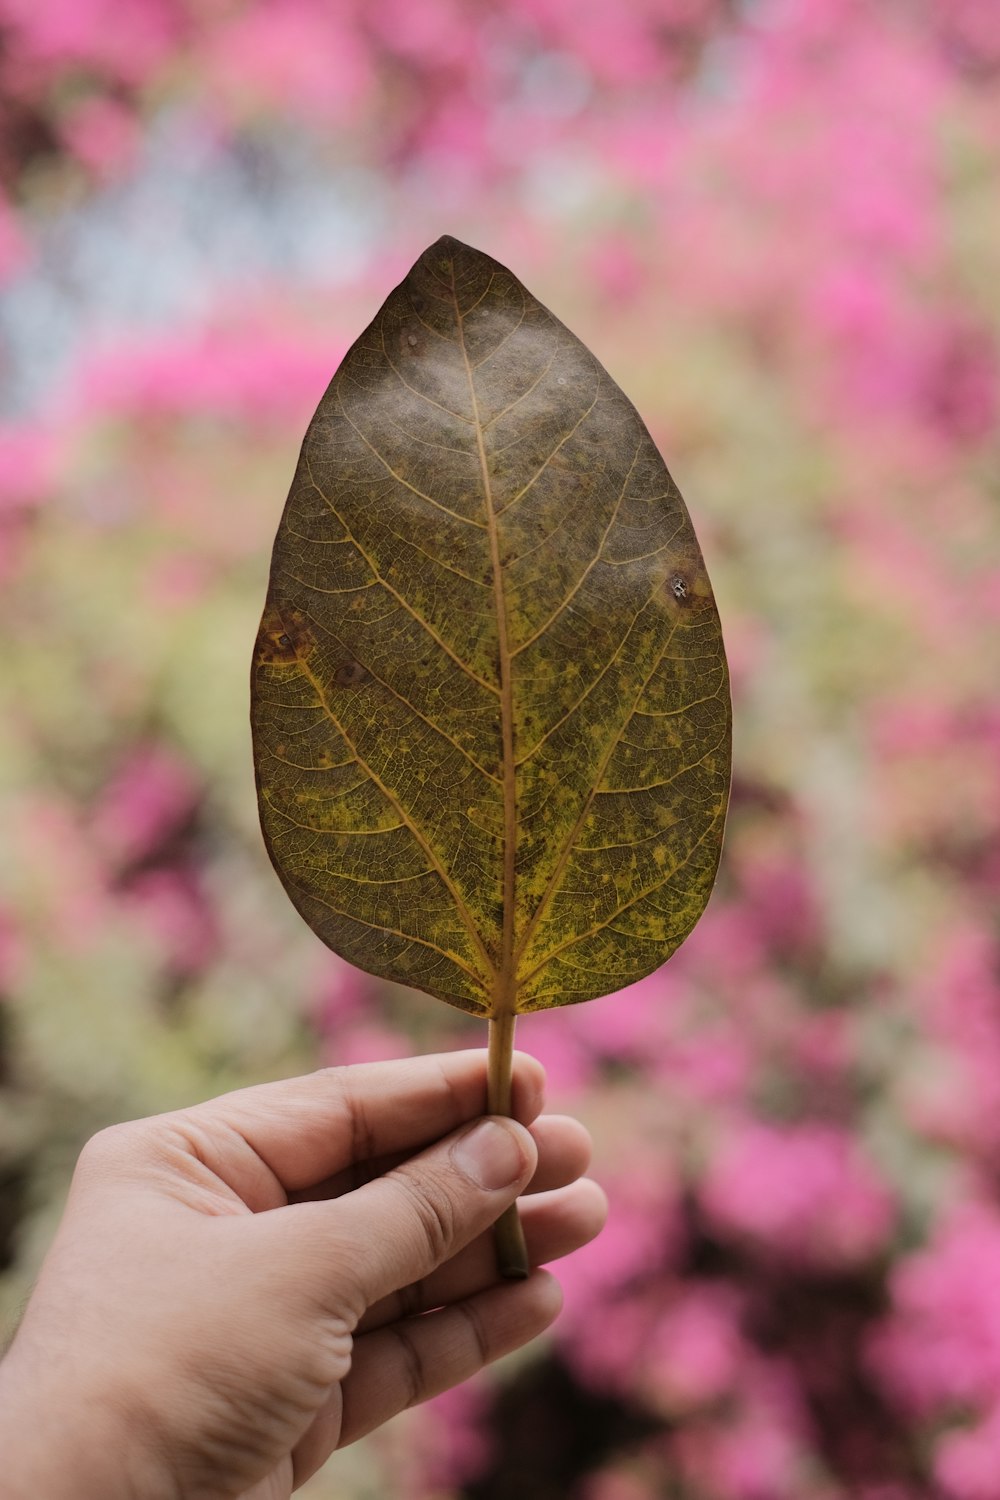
x=398 y=1228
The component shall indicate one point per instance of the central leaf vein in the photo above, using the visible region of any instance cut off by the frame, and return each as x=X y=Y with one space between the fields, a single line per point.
x=503 y=998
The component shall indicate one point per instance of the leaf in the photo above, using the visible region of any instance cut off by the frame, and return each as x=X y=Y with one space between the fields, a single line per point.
x=490 y=701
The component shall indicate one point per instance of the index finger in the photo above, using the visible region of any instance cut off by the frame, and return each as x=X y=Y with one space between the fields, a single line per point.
x=306 y=1129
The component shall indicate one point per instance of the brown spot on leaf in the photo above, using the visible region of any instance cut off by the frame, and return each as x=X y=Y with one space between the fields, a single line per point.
x=284 y=637
x=351 y=674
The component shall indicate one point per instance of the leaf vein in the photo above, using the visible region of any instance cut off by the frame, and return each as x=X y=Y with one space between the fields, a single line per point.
x=420 y=395
x=339 y=832
x=466 y=520
x=401 y=599
x=508 y=335
x=590 y=566
x=501 y=510
x=632 y=901
x=414 y=827
x=436 y=728
x=567 y=847
x=397 y=932
x=523 y=396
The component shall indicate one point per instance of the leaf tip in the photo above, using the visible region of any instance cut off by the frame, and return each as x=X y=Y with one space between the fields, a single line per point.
x=442 y=255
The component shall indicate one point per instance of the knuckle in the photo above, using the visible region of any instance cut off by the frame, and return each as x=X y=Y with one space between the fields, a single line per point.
x=109 y=1147
x=477 y=1328
x=434 y=1213
x=358 y=1128
x=413 y=1368
x=411 y=1299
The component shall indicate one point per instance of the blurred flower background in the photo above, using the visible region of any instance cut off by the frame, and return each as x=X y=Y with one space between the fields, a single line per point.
x=777 y=222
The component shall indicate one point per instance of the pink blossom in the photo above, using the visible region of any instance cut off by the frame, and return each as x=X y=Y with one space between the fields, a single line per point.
x=642 y=1238
x=617 y=1484
x=101 y=134
x=343 y=995
x=807 y=1193
x=694 y=1352
x=961 y=380
x=757 y=1461
x=618 y=1025
x=435 y=33
x=27 y=465
x=366 y=1041
x=148 y=801
x=782 y=903
x=457 y=1445
x=11 y=951
x=959 y=997
x=940 y=1346
x=614 y=265
x=299 y=55
x=966 y=1463
x=172 y=906
x=126 y=42
x=754 y=1451
x=715 y=1063
x=560 y=1049
x=823 y=1046
x=253 y=374
x=63 y=882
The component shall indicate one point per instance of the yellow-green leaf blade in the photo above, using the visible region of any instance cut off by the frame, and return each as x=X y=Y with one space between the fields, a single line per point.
x=491 y=714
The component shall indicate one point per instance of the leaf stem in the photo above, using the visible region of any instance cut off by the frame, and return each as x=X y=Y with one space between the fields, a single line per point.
x=512 y=1254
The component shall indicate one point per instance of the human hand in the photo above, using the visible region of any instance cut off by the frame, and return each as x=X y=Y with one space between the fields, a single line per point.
x=239 y=1288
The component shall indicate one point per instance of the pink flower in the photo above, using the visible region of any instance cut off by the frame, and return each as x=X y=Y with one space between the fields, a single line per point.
x=27 y=465
x=614 y=264
x=616 y=1484
x=755 y=1449
x=251 y=373
x=641 y=1240
x=966 y=1464
x=559 y=1047
x=173 y=907
x=178 y=579
x=961 y=381
x=102 y=134
x=940 y=1346
x=434 y=33
x=297 y=56
x=127 y=42
x=806 y=1193
x=11 y=951
x=456 y=1446
x=344 y=994
x=694 y=1352
x=366 y=1041
x=147 y=802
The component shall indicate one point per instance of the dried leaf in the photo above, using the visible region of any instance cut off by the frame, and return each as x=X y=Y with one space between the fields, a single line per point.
x=490 y=700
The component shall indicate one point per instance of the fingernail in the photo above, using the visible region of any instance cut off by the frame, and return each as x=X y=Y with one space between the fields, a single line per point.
x=490 y=1155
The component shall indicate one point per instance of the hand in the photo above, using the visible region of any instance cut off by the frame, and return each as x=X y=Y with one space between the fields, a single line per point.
x=239 y=1288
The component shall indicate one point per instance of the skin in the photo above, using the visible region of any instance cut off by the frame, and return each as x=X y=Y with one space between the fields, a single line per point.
x=240 y=1288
